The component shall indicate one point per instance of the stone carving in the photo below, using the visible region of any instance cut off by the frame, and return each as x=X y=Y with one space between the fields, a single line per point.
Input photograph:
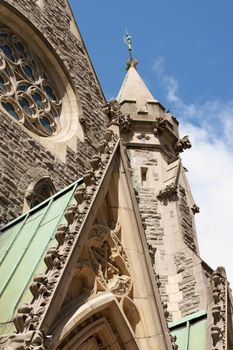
x=169 y=193
x=152 y=251
x=195 y=209
x=173 y=340
x=182 y=144
x=159 y=125
x=219 y=310
x=23 y=316
x=158 y=282
x=29 y=316
x=39 y=286
x=112 y=110
x=31 y=340
x=108 y=260
x=166 y=313
x=143 y=137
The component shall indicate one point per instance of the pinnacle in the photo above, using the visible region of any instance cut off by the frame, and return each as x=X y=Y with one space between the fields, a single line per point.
x=134 y=89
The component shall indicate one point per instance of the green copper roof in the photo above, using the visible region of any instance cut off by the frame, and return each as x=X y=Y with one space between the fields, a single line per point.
x=23 y=245
x=190 y=331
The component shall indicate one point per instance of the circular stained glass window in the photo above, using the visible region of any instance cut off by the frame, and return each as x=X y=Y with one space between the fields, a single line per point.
x=26 y=91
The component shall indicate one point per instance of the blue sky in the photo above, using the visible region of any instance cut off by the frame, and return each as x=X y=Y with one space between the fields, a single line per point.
x=185 y=55
x=194 y=38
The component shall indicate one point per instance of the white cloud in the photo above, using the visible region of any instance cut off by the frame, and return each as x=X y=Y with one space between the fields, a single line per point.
x=210 y=164
x=158 y=65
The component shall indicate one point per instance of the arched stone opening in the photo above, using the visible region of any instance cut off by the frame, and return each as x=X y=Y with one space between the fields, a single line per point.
x=99 y=323
x=37 y=192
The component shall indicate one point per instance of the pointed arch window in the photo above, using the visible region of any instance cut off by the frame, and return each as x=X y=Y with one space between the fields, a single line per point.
x=38 y=192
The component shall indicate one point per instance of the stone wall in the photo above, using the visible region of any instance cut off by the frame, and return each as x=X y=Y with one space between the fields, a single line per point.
x=146 y=193
x=187 y=285
x=170 y=232
x=23 y=158
x=187 y=228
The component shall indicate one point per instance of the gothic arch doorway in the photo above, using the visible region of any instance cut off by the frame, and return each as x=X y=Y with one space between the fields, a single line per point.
x=98 y=324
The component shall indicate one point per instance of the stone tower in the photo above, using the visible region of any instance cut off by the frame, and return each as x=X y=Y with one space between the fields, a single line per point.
x=98 y=248
x=165 y=201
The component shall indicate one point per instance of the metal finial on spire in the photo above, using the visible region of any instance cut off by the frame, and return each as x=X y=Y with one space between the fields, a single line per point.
x=130 y=62
x=127 y=40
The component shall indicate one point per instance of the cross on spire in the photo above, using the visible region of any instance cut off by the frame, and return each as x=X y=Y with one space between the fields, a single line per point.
x=130 y=62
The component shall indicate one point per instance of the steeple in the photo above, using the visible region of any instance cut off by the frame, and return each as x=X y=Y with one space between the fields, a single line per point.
x=163 y=195
x=134 y=96
x=134 y=90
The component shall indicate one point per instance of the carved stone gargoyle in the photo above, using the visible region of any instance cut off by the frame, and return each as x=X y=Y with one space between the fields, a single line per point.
x=168 y=193
x=159 y=125
x=112 y=110
x=182 y=144
x=195 y=209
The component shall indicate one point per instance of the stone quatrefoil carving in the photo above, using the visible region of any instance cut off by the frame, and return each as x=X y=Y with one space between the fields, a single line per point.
x=26 y=92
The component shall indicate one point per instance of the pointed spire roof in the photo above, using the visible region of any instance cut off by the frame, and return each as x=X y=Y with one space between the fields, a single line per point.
x=134 y=89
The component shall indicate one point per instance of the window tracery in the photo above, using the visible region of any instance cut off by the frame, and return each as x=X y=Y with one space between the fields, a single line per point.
x=26 y=92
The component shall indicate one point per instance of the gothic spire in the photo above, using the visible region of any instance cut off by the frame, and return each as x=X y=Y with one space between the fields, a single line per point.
x=134 y=89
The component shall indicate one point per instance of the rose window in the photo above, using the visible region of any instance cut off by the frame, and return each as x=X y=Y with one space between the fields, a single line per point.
x=26 y=92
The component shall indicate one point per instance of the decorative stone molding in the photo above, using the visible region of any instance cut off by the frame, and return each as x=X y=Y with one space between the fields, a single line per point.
x=182 y=144
x=29 y=316
x=112 y=110
x=159 y=125
x=218 y=329
x=169 y=193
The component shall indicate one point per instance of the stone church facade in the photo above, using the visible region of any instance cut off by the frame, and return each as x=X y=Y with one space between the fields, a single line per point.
x=98 y=246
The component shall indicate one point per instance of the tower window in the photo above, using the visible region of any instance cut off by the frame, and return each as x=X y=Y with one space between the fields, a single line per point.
x=144 y=176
